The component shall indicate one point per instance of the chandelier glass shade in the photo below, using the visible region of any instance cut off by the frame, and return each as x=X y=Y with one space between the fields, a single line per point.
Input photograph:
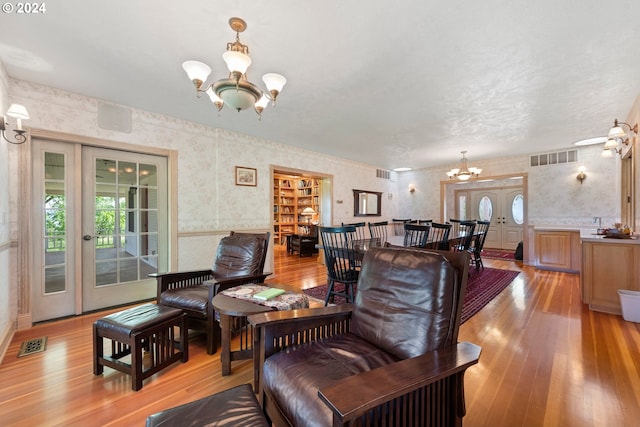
x=464 y=172
x=236 y=90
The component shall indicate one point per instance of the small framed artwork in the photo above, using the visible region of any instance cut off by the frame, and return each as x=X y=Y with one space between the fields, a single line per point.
x=246 y=176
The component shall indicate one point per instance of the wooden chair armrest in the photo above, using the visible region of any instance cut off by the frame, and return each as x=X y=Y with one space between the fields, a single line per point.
x=384 y=384
x=182 y=279
x=226 y=283
x=296 y=318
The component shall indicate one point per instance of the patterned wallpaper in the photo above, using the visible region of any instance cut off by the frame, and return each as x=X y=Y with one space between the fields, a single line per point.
x=209 y=202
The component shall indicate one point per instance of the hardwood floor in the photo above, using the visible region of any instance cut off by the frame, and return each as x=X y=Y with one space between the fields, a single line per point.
x=546 y=361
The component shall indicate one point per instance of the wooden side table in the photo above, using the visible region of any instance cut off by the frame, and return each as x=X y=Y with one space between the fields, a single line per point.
x=228 y=308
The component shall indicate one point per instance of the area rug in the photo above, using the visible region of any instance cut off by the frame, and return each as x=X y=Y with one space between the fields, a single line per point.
x=498 y=254
x=482 y=287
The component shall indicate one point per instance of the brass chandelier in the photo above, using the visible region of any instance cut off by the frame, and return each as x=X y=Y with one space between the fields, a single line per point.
x=236 y=91
x=463 y=173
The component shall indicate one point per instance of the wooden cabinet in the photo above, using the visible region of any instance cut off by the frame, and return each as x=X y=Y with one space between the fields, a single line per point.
x=608 y=265
x=558 y=250
x=291 y=195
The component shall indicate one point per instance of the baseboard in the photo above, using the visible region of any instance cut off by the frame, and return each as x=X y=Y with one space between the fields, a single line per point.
x=24 y=321
x=7 y=336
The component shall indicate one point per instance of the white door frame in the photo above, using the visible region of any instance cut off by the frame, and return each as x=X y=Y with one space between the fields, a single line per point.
x=25 y=265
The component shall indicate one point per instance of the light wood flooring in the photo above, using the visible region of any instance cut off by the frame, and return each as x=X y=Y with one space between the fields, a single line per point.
x=546 y=361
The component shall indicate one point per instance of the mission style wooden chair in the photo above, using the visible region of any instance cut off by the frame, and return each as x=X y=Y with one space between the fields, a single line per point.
x=391 y=358
x=240 y=260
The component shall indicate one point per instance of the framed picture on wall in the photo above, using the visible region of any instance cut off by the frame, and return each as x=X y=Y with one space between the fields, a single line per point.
x=246 y=176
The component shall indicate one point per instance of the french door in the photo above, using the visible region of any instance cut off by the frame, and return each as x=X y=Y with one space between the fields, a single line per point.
x=99 y=227
x=504 y=207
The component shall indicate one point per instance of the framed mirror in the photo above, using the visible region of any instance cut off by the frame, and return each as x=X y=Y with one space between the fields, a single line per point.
x=367 y=203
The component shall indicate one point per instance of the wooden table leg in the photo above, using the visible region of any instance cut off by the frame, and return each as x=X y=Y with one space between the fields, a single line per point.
x=225 y=345
x=256 y=357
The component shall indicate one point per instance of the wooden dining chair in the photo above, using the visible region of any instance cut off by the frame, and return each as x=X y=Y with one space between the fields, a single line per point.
x=439 y=236
x=455 y=226
x=340 y=259
x=416 y=235
x=398 y=225
x=482 y=229
x=378 y=230
x=464 y=237
x=360 y=233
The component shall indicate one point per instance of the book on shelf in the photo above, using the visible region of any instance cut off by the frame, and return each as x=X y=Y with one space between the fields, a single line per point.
x=268 y=294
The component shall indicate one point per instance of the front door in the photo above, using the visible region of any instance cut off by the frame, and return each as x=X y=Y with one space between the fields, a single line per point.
x=504 y=207
x=99 y=227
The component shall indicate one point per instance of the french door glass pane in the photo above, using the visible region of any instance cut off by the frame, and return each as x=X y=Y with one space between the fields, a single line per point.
x=120 y=221
x=55 y=223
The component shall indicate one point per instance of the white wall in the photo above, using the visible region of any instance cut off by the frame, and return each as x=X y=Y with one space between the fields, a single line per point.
x=556 y=197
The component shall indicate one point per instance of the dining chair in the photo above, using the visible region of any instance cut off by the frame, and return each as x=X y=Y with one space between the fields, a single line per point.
x=340 y=259
x=361 y=233
x=482 y=229
x=455 y=226
x=425 y=221
x=398 y=225
x=416 y=235
x=439 y=236
x=464 y=237
x=378 y=230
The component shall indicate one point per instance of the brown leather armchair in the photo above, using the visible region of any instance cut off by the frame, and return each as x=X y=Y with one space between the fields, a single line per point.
x=391 y=358
x=239 y=260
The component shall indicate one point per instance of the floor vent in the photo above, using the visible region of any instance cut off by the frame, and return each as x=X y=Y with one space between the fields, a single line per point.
x=556 y=158
x=35 y=345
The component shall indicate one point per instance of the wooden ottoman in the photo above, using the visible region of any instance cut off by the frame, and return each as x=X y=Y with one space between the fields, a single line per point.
x=148 y=326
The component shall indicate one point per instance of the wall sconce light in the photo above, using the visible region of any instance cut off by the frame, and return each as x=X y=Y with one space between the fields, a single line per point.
x=412 y=188
x=617 y=136
x=18 y=112
x=581 y=174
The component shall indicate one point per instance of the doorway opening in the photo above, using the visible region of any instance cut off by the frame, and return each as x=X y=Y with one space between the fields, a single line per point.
x=301 y=202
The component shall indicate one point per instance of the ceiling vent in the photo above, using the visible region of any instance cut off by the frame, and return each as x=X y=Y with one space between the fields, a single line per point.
x=557 y=158
x=381 y=173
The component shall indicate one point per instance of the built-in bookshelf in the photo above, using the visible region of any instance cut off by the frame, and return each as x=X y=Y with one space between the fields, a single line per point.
x=291 y=195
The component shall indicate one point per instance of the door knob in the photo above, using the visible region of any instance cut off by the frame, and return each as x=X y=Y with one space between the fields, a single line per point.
x=87 y=237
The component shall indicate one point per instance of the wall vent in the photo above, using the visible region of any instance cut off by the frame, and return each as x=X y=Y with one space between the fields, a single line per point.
x=556 y=158
x=381 y=173
x=114 y=117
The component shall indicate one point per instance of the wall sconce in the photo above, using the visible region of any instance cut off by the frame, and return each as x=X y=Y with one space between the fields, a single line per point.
x=581 y=174
x=18 y=112
x=617 y=136
x=412 y=188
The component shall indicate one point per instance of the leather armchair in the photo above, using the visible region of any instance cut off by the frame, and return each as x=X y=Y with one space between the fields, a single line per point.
x=240 y=259
x=391 y=358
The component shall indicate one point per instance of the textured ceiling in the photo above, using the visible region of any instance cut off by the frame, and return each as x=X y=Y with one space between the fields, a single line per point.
x=389 y=83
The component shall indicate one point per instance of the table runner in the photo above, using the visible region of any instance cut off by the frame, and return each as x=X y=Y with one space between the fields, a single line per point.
x=287 y=301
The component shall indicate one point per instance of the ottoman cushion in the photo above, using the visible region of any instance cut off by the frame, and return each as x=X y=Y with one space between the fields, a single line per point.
x=236 y=407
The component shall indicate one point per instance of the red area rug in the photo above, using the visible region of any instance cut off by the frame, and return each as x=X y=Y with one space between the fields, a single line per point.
x=482 y=287
x=498 y=254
